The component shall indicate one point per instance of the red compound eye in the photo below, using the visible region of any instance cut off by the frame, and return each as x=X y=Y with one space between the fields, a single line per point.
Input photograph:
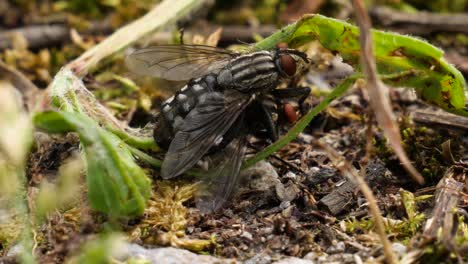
x=290 y=113
x=288 y=64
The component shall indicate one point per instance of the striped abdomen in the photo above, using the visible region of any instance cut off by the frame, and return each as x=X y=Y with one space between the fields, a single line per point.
x=176 y=108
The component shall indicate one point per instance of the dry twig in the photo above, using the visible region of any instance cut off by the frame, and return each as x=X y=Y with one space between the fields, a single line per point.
x=378 y=92
x=353 y=175
x=39 y=36
x=439 y=118
x=447 y=196
x=421 y=23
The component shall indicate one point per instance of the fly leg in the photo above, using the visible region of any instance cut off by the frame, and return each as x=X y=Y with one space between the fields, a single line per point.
x=269 y=121
x=301 y=93
x=262 y=115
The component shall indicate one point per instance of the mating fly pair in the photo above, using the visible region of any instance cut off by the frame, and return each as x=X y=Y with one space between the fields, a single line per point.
x=228 y=95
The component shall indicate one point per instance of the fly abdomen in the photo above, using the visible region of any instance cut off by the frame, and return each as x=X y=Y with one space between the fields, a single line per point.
x=176 y=108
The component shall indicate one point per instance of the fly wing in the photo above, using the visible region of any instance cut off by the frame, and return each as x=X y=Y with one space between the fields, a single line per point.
x=221 y=181
x=203 y=127
x=178 y=62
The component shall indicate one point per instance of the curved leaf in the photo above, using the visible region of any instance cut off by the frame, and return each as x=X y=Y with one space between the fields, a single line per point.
x=434 y=79
x=116 y=184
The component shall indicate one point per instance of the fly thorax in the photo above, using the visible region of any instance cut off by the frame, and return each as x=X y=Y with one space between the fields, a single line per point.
x=250 y=73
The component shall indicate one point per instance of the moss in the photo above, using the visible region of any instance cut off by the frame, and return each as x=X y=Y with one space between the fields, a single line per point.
x=400 y=229
x=9 y=233
x=166 y=217
x=437 y=253
x=423 y=146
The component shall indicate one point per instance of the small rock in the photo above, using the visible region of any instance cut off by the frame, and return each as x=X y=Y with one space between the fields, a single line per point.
x=305 y=137
x=357 y=259
x=169 y=255
x=399 y=248
x=346 y=141
x=315 y=256
x=284 y=205
x=259 y=259
x=322 y=258
x=319 y=175
x=15 y=251
x=247 y=235
x=293 y=260
x=290 y=175
x=190 y=230
x=286 y=192
x=261 y=177
x=337 y=248
x=341 y=258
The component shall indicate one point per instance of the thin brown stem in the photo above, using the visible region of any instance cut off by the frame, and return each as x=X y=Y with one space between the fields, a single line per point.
x=381 y=105
x=378 y=92
x=352 y=174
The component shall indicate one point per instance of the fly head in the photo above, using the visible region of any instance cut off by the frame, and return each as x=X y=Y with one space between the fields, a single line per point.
x=290 y=62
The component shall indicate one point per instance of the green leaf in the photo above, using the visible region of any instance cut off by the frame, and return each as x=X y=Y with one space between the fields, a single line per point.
x=52 y=122
x=434 y=79
x=116 y=184
x=62 y=91
x=102 y=249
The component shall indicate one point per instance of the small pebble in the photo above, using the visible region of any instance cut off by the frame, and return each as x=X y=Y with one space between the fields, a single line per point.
x=337 y=248
x=399 y=248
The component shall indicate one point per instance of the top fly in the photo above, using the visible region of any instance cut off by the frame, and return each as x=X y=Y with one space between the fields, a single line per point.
x=225 y=94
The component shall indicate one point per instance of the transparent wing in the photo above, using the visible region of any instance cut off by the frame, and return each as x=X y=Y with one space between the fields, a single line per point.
x=205 y=125
x=178 y=62
x=222 y=180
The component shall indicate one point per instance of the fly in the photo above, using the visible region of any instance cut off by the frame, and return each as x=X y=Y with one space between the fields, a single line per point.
x=227 y=96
